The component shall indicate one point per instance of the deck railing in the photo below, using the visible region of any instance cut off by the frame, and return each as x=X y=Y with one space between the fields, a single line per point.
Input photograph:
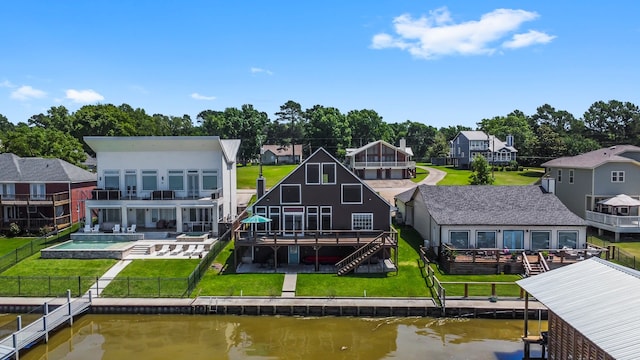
x=617 y=221
x=115 y=194
x=34 y=198
x=384 y=164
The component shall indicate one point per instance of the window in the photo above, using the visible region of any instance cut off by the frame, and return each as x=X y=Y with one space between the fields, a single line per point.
x=149 y=180
x=570 y=176
x=130 y=182
x=274 y=215
x=513 y=239
x=312 y=218
x=361 y=221
x=209 y=179
x=290 y=194
x=38 y=192
x=352 y=193
x=176 y=180
x=8 y=191
x=559 y=175
x=617 y=176
x=567 y=239
x=313 y=173
x=459 y=239
x=329 y=173
x=111 y=180
x=325 y=218
x=540 y=240
x=486 y=239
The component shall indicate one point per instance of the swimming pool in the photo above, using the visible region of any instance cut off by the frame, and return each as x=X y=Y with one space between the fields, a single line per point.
x=88 y=249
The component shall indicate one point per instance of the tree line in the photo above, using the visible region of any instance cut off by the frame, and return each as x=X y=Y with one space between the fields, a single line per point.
x=547 y=134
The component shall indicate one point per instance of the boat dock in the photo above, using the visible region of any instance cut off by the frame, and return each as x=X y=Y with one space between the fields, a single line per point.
x=40 y=329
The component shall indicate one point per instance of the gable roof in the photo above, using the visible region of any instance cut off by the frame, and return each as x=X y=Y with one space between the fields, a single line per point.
x=34 y=169
x=230 y=149
x=609 y=317
x=495 y=205
x=593 y=159
x=473 y=134
x=495 y=143
x=285 y=150
x=352 y=151
x=300 y=167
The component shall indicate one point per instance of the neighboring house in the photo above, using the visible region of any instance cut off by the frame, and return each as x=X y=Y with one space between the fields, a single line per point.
x=469 y=144
x=585 y=323
x=483 y=216
x=584 y=181
x=37 y=193
x=381 y=160
x=281 y=154
x=320 y=213
x=182 y=183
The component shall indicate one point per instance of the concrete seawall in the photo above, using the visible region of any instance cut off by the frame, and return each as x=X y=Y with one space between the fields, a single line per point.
x=260 y=306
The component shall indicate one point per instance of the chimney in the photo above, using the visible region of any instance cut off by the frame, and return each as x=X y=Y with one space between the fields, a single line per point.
x=509 y=140
x=261 y=186
x=403 y=144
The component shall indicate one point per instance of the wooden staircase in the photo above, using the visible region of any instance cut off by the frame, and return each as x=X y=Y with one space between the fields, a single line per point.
x=532 y=268
x=351 y=262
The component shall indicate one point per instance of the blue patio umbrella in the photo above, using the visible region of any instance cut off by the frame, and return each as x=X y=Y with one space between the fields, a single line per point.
x=255 y=219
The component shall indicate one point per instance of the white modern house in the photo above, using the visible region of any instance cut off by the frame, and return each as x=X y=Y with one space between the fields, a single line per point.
x=181 y=183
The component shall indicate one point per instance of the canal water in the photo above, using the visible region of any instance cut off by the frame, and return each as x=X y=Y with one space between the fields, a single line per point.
x=195 y=337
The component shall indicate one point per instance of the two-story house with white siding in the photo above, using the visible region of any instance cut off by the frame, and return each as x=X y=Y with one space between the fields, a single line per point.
x=469 y=144
x=585 y=182
x=180 y=183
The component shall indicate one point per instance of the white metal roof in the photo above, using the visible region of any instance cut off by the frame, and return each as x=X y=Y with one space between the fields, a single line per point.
x=598 y=298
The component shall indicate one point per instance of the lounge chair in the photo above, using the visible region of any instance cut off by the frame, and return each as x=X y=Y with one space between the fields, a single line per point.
x=190 y=250
x=87 y=228
x=131 y=229
x=96 y=228
x=177 y=250
x=164 y=250
x=198 y=251
x=116 y=228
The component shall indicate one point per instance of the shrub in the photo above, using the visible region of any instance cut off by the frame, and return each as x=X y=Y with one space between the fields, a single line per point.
x=14 y=229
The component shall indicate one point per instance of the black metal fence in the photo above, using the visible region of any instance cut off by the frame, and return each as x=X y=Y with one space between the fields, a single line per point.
x=624 y=258
x=206 y=261
x=33 y=247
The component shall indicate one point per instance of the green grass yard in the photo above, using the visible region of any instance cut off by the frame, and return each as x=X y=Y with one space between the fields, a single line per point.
x=246 y=175
x=152 y=278
x=8 y=245
x=461 y=177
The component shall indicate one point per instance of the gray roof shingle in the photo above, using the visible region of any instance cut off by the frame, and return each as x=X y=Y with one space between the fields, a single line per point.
x=32 y=169
x=594 y=158
x=496 y=205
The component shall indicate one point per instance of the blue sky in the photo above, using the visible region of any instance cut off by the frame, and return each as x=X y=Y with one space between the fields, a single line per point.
x=439 y=63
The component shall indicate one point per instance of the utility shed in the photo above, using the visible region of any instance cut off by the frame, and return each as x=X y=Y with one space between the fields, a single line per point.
x=594 y=310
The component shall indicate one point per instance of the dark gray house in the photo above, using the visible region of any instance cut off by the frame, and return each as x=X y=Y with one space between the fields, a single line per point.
x=586 y=181
x=469 y=144
x=479 y=216
x=319 y=213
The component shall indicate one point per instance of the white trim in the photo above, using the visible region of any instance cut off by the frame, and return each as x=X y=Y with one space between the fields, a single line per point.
x=334 y=173
x=342 y=186
x=299 y=186
x=306 y=174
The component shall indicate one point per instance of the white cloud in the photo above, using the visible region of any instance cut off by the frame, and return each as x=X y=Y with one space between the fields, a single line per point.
x=256 y=70
x=527 y=39
x=26 y=92
x=438 y=35
x=202 y=97
x=83 y=96
x=7 y=84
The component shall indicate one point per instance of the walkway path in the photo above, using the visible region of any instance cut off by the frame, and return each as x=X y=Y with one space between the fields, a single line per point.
x=97 y=288
x=289 y=285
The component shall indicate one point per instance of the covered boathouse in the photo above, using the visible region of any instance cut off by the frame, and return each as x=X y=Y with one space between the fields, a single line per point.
x=593 y=308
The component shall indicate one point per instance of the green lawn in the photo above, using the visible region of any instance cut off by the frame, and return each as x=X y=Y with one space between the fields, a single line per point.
x=461 y=177
x=152 y=278
x=247 y=175
x=8 y=245
x=510 y=290
x=421 y=174
x=34 y=276
x=222 y=280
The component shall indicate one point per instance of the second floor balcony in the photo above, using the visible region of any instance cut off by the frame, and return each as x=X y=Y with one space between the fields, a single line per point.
x=102 y=194
x=384 y=165
x=615 y=223
x=34 y=199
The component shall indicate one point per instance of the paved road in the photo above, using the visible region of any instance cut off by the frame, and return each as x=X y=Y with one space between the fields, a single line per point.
x=386 y=188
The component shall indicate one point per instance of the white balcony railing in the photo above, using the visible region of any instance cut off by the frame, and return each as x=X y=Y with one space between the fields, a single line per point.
x=615 y=221
x=384 y=164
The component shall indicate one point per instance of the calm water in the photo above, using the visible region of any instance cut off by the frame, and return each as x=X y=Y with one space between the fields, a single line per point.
x=143 y=337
